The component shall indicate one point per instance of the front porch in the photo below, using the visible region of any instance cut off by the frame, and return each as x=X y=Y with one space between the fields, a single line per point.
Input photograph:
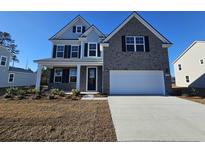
x=84 y=76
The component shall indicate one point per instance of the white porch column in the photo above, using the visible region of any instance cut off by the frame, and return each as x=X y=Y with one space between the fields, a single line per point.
x=38 y=77
x=78 y=77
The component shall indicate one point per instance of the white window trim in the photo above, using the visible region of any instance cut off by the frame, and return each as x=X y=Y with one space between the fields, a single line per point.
x=135 y=44
x=81 y=27
x=96 y=87
x=58 y=75
x=96 y=53
x=9 y=78
x=200 y=61
x=5 y=62
x=74 y=51
x=72 y=75
x=60 y=51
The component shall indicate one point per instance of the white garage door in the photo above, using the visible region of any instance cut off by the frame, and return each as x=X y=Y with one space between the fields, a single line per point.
x=137 y=82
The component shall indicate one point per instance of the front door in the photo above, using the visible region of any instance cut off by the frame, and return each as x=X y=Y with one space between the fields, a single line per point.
x=91 y=79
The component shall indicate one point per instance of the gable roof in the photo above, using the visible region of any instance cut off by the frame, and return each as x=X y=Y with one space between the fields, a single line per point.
x=187 y=49
x=144 y=22
x=66 y=27
x=92 y=27
x=17 y=69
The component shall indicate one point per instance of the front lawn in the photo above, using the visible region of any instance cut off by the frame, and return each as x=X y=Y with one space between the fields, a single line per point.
x=55 y=120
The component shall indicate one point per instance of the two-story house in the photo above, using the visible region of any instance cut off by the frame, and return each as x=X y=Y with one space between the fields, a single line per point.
x=13 y=76
x=189 y=67
x=132 y=59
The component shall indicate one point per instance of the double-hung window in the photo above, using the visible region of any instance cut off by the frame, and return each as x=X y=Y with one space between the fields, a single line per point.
x=180 y=67
x=92 y=49
x=11 y=78
x=73 y=75
x=79 y=28
x=74 y=51
x=135 y=43
x=187 y=79
x=3 y=61
x=58 y=75
x=60 y=51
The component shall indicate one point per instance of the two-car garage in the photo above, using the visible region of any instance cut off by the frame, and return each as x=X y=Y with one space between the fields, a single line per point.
x=137 y=82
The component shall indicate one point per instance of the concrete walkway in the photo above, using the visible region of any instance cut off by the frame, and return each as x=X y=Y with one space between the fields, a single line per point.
x=157 y=118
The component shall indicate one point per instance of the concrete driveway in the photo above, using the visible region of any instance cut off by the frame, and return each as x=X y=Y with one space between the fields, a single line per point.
x=157 y=118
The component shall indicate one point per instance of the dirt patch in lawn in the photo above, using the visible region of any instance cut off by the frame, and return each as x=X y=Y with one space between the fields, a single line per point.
x=55 y=120
x=194 y=98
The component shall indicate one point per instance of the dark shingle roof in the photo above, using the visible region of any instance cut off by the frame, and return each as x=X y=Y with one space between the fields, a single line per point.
x=16 y=69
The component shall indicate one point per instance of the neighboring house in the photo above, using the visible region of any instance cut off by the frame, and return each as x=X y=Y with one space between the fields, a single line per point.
x=13 y=76
x=189 y=67
x=133 y=59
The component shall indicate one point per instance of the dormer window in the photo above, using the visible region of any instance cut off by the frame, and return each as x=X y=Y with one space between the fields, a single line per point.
x=79 y=29
x=60 y=51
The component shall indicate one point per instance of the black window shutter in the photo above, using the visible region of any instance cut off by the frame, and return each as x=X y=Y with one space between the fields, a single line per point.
x=69 y=49
x=54 y=51
x=79 y=53
x=64 y=76
x=74 y=29
x=66 y=52
x=147 y=44
x=123 y=44
x=83 y=29
x=86 y=50
x=51 y=75
x=99 y=53
x=67 y=76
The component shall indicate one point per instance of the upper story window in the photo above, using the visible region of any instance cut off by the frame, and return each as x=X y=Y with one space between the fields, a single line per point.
x=201 y=61
x=73 y=75
x=180 y=67
x=92 y=49
x=60 y=51
x=3 y=60
x=187 y=79
x=11 y=78
x=74 y=51
x=58 y=75
x=135 y=43
x=79 y=29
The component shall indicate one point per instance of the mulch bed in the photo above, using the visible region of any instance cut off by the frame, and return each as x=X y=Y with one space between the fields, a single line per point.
x=55 y=120
x=197 y=99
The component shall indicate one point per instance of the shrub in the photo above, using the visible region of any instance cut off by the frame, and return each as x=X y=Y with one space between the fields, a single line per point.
x=194 y=92
x=75 y=92
x=11 y=91
x=55 y=91
x=61 y=93
x=31 y=91
x=8 y=96
x=51 y=96
x=21 y=94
